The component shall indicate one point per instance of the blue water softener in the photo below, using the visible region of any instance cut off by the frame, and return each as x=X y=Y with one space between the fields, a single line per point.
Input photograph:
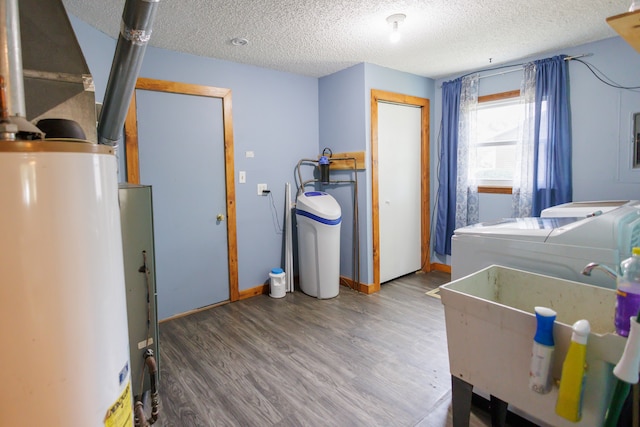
x=542 y=351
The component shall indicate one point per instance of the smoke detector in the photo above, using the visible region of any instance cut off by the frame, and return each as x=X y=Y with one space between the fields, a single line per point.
x=239 y=41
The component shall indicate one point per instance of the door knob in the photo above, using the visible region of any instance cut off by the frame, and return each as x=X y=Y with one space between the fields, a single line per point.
x=220 y=217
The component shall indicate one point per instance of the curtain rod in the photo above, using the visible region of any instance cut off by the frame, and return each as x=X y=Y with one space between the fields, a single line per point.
x=568 y=58
x=502 y=72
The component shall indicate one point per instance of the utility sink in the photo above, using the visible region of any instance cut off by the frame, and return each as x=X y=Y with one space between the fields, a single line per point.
x=490 y=324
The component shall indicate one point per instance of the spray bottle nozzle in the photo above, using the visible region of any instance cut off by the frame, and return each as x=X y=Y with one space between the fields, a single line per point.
x=545 y=318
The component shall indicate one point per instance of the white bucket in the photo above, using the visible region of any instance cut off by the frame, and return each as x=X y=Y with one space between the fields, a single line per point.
x=277 y=285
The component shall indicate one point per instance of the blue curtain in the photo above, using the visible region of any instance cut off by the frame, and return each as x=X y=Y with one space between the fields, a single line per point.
x=447 y=174
x=552 y=182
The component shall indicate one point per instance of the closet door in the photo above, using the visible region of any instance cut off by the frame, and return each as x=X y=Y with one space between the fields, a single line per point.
x=399 y=189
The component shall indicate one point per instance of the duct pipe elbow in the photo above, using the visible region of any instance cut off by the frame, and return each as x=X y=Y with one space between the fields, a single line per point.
x=135 y=32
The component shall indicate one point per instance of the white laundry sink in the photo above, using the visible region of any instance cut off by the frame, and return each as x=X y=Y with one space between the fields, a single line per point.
x=490 y=324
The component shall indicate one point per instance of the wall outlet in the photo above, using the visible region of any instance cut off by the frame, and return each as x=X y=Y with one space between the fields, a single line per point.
x=261 y=189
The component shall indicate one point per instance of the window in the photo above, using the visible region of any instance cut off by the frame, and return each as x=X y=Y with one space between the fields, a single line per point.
x=497 y=122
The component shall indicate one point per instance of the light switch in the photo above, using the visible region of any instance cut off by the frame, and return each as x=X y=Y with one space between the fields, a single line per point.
x=242 y=177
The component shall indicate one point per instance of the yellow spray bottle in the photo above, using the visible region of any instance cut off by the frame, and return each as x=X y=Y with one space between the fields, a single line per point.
x=569 y=403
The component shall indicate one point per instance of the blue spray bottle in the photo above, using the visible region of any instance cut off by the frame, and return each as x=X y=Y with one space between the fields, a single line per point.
x=542 y=351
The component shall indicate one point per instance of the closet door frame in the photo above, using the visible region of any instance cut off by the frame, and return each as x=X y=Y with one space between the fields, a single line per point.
x=423 y=104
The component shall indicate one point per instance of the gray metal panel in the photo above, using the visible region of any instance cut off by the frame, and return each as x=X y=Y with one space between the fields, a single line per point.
x=48 y=40
x=57 y=80
x=136 y=219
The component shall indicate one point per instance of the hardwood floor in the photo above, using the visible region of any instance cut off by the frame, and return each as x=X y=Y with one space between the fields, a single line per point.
x=354 y=360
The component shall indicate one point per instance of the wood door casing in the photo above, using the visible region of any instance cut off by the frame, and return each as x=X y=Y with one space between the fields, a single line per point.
x=423 y=103
x=133 y=160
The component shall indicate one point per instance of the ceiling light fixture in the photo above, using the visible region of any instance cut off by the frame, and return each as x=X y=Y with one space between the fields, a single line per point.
x=394 y=21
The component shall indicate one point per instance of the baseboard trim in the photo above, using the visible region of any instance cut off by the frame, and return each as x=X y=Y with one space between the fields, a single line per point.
x=436 y=266
x=344 y=281
x=264 y=290
x=244 y=294
x=252 y=292
x=360 y=287
x=194 y=311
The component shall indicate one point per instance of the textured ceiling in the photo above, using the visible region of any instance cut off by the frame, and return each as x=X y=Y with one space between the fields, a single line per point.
x=319 y=37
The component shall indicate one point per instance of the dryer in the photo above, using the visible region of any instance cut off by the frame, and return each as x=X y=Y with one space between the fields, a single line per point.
x=558 y=246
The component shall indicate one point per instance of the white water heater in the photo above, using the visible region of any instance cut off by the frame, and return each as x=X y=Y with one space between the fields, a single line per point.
x=63 y=320
x=64 y=355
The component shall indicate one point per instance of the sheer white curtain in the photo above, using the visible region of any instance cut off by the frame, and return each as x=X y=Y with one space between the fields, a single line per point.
x=466 y=186
x=522 y=192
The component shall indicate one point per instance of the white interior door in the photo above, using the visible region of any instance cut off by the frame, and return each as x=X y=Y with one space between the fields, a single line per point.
x=181 y=149
x=399 y=189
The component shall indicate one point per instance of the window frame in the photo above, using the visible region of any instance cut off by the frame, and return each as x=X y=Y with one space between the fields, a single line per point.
x=497 y=189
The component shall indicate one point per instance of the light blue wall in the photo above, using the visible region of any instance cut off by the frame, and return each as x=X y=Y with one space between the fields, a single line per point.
x=342 y=105
x=389 y=80
x=284 y=117
x=343 y=128
x=275 y=115
x=601 y=123
x=345 y=125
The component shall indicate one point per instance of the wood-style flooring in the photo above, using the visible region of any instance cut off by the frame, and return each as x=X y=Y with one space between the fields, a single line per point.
x=354 y=360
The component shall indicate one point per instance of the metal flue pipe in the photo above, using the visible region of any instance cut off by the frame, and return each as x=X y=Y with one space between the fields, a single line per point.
x=13 y=123
x=11 y=58
x=135 y=31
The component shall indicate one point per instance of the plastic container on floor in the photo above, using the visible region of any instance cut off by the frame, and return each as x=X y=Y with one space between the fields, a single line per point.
x=277 y=283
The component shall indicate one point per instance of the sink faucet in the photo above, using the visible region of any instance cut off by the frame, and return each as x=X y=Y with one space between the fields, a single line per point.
x=589 y=267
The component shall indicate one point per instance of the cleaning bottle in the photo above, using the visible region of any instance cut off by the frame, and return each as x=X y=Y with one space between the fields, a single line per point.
x=628 y=292
x=569 y=403
x=626 y=372
x=542 y=351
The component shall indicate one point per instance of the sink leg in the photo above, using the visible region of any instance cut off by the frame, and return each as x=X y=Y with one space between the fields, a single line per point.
x=498 y=412
x=461 y=392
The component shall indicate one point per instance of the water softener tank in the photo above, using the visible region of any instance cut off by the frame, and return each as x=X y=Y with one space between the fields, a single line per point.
x=318 y=217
